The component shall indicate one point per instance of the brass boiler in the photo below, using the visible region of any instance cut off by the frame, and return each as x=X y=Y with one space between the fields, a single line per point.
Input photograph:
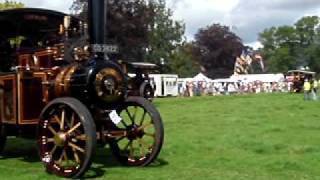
x=94 y=82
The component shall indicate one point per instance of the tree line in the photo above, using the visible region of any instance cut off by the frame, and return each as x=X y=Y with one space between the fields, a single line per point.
x=10 y=5
x=146 y=31
x=291 y=47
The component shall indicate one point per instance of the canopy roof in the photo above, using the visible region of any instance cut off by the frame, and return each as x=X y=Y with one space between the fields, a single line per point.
x=141 y=65
x=31 y=22
x=258 y=77
x=302 y=72
x=201 y=77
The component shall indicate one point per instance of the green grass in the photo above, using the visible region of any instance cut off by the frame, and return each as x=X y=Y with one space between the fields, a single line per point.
x=258 y=137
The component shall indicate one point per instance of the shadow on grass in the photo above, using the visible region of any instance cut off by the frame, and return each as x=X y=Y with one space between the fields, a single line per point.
x=26 y=150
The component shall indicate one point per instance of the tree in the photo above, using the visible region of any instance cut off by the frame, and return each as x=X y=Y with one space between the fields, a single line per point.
x=306 y=30
x=217 y=47
x=290 y=47
x=183 y=63
x=143 y=29
x=165 y=34
x=11 y=5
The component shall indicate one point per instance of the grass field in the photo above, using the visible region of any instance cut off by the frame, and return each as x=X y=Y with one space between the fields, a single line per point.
x=258 y=137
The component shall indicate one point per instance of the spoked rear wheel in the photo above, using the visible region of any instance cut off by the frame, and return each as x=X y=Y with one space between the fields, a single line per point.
x=67 y=137
x=147 y=91
x=138 y=138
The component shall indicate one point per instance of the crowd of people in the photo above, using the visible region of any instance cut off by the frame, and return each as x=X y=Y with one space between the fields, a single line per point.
x=202 y=88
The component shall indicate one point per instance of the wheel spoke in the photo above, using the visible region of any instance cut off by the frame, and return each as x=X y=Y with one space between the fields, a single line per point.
x=52 y=130
x=74 y=128
x=131 y=151
x=127 y=146
x=119 y=133
x=142 y=146
x=76 y=156
x=124 y=124
x=143 y=117
x=76 y=147
x=62 y=120
x=70 y=123
x=65 y=156
x=150 y=134
x=53 y=150
x=60 y=158
x=82 y=137
x=57 y=119
x=49 y=140
x=135 y=113
x=145 y=126
x=120 y=139
x=130 y=117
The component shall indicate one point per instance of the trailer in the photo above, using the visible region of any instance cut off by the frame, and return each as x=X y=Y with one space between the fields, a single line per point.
x=165 y=84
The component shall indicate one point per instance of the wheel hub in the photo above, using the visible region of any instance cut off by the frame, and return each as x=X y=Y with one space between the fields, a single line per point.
x=134 y=132
x=60 y=139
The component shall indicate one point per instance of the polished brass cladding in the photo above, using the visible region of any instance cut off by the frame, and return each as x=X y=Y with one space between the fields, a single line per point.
x=62 y=81
x=108 y=84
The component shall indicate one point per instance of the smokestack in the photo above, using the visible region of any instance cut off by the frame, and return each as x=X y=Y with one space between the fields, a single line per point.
x=97 y=15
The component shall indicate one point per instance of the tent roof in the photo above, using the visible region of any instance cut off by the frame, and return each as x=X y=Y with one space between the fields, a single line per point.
x=258 y=77
x=201 y=77
x=302 y=71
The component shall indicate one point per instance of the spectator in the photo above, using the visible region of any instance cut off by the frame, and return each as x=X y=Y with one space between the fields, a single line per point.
x=307 y=89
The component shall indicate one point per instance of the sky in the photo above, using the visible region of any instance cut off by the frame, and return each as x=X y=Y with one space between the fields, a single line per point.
x=247 y=18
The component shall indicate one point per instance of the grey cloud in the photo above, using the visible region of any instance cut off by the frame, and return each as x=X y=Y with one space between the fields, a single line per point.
x=200 y=20
x=251 y=16
x=175 y=3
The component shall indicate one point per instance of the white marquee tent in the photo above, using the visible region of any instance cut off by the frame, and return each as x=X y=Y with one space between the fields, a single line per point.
x=201 y=77
x=258 y=77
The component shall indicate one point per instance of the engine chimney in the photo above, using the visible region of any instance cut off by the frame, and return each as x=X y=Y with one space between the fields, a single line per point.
x=97 y=25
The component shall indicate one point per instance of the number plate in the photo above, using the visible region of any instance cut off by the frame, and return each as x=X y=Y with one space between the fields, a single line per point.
x=115 y=118
x=105 y=48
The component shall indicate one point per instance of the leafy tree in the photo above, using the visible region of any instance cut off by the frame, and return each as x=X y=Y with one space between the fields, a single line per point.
x=11 y=5
x=217 y=47
x=183 y=63
x=290 y=47
x=282 y=60
x=312 y=55
x=165 y=34
x=306 y=30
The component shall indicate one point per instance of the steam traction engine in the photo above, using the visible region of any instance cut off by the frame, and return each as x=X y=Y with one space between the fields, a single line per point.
x=80 y=103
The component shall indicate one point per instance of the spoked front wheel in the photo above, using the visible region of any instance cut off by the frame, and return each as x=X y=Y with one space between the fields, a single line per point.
x=67 y=137
x=137 y=139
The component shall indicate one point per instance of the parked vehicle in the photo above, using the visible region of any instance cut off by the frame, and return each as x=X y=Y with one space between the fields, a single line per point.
x=166 y=84
x=140 y=83
x=297 y=77
x=70 y=100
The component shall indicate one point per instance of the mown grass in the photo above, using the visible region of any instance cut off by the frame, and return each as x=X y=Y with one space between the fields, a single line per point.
x=259 y=137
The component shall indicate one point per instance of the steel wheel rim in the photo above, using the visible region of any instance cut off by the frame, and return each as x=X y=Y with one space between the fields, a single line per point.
x=62 y=141
x=135 y=135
